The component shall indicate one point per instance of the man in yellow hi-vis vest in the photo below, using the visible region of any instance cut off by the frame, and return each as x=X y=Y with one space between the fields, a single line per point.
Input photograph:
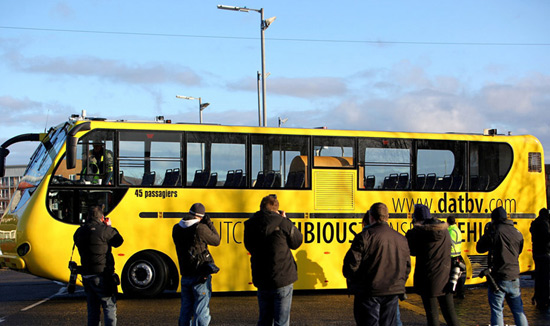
x=456 y=253
x=100 y=163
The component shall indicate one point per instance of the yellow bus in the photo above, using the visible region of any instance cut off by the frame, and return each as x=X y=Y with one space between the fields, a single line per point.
x=147 y=175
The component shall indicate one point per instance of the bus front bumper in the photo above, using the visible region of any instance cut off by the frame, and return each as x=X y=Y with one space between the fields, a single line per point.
x=13 y=262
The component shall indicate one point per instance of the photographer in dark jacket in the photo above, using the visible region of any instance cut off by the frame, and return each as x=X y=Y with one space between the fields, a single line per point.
x=192 y=235
x=504 y=243
x=94 y=241
x=269 y=236
x=377 y=267
x=430 y=242
x=540 y=235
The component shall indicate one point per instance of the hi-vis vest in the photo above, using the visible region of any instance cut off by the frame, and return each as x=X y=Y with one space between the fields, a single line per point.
x=456 y=240
x=95 y=165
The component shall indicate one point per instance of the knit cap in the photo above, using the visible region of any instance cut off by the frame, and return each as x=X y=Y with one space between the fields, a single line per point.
x=421 y=213
x=197 y=210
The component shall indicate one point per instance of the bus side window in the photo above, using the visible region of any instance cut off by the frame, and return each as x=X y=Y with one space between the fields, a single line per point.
x=385 y=164
x=279 y=161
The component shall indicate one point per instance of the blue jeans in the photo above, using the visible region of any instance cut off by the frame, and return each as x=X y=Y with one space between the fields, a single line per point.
x=510 y=291
x=275 y=306
x=382 y=310
x=99 y=295
x=195 y=300
x=398 y=317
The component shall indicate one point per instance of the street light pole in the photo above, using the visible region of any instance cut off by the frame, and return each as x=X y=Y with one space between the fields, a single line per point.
x=201 y=105
x=264 y=24
x=263 y=27
x=259 y=101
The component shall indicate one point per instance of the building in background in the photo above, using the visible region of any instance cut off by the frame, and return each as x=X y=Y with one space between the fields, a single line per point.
x=8 y=184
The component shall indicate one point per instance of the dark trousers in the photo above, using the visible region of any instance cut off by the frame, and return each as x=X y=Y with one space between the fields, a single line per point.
x=447 y=309
x=542 y=281
x=375 y=310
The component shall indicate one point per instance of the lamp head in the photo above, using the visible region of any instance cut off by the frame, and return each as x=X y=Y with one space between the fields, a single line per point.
x=233 y=8
x=268 y=21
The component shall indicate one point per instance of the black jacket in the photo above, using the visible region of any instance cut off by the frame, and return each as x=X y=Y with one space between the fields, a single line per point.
x=193 y=233
x=378 y=262
x=540 y=235
x=430 y=242
x=94 y=241
x=269 y=237
x=504 y=243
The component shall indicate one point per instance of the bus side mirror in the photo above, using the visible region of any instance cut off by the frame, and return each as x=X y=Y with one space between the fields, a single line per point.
x=3 y=153
x=72 y=141
x=71 y=152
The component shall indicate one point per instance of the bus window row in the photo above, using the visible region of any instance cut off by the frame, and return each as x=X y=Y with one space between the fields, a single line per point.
x=206 y=179
x=232 y=160
x=428 y=181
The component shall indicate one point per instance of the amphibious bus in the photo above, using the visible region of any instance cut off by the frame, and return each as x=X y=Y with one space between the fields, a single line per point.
x=149 y=173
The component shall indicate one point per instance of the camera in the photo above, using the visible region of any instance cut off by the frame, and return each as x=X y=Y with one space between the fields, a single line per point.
x=490 y=280
x=456 y=271
x=75 y=269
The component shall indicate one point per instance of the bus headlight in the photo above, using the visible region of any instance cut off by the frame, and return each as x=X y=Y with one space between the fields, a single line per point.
x=23 y=249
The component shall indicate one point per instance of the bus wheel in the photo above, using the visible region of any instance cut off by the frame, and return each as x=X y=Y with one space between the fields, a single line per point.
x=145 y=275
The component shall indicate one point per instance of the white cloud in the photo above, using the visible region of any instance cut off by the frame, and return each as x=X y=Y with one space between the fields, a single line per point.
x=111 y=70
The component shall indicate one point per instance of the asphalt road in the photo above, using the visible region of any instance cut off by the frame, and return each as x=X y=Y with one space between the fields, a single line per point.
x=29 y=300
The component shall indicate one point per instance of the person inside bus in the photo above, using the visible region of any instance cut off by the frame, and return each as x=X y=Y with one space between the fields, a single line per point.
x=430 y=242
x=376 y=268
x=269 y=236
x=456 y=253
x=504 y=243
x=99 y=167
x=193 y=234
x=540 y=235
x=94 y=241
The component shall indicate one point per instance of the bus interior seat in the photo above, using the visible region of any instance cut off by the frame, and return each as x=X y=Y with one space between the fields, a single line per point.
x=370 y=181
x=239 y=180
x=201 y=178
x=260 y=179
x=457 y=182
x=229 y=178
x=444 y=183
x=148 y=178
x=172 y=177
x=213 y=181
x=483 y=182
x=420 y=181
x=403 y=181
x=272 y=179
x=390 y=182
x=474 y=182
x=295 y=180
x=431 y=179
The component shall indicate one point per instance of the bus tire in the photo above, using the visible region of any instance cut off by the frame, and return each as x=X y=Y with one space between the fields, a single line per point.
x=145 y=275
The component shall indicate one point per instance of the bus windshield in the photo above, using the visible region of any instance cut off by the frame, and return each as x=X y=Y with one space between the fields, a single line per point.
x=40 y=162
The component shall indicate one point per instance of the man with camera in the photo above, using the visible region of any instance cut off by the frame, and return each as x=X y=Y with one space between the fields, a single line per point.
x=376 y=268
x=192 y=235
x=269 y=236
x=504 y=243
x=94 y=241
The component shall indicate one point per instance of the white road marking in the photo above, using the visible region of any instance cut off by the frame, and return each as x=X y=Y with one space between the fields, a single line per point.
x=62 y=290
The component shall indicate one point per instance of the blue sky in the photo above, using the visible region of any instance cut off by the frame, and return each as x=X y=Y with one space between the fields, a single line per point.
x=428 y=66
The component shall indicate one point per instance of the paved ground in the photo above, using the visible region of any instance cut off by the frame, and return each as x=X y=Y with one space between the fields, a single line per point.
x=29 y=300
